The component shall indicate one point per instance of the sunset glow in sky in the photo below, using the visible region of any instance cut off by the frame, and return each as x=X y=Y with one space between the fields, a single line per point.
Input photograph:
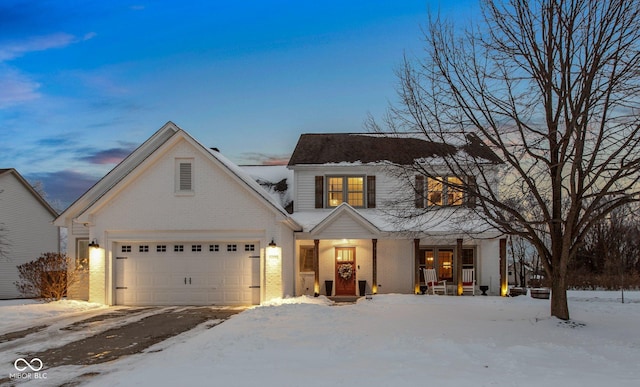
x=85 y=82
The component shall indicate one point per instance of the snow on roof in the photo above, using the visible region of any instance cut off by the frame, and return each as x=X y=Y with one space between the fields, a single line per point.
x=443 y=221
x=277 y=180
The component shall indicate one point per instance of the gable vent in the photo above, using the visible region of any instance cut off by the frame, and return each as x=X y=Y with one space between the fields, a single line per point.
x=185 y=176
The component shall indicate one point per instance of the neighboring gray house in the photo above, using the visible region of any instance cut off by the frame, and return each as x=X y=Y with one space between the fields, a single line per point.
x=26 y=220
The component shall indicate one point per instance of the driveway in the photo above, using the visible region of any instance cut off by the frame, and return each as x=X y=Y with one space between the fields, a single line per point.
x=107 y=336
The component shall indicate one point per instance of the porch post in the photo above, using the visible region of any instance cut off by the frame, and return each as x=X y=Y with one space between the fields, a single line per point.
x=504 y=287
x=374 y=249
x=459 y=265
x=416 y=271
x=316 y=267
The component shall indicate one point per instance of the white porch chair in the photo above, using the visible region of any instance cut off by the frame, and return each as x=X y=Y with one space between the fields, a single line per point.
x=431 y=280
x=469 y=281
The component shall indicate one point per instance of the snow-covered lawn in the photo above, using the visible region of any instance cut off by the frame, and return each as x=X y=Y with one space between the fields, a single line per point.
x=397 y=340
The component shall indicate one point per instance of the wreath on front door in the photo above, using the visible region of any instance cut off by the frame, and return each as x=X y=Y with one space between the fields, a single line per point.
x=345 y=271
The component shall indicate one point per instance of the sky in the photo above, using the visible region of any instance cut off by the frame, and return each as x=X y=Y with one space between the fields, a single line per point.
x=85 y=82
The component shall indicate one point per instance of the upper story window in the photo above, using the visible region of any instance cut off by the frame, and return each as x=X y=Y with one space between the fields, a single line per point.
x=357 y=191
x=439 y=191
x=184 y=175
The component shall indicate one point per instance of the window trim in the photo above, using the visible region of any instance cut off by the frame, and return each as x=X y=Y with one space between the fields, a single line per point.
x=423 y=191
x=345 y=190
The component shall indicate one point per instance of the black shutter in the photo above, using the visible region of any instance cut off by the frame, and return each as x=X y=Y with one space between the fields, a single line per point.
x=419 y=188
x=471 y=192
x=371 y=192
x=319 y=191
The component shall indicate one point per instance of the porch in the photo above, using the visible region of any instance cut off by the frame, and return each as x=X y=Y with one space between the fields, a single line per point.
x=355 y=267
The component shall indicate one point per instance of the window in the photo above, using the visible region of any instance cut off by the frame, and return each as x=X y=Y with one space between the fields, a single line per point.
x=440 y=191
x=161 y=248
x=126 y=249
x=184 y=175
x=214 y=247
x=349 y=189
x=468 y=257
x=442 y=259
x=82 y=254
x=358 y=191
x=306 y=258
x=178 y=248
x=232 y=247
x=249 y=247
x=143 y=248
x=196 y=248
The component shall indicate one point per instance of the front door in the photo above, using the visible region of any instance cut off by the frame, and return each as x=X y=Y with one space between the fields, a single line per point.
x=345 y=271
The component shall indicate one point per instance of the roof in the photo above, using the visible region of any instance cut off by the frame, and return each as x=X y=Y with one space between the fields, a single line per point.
x=374 y=148
x=138 y=156
x=28 y=186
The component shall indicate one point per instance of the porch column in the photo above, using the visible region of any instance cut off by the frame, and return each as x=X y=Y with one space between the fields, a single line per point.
x=459 y=265
x=316 y=267
x=416 y=271
x=374 y=249
x=504 y=287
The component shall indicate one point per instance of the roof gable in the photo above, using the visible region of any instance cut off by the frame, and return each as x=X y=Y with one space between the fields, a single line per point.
x=29 y=188
x=376 y=148
x=169 y=133
x=346 y=216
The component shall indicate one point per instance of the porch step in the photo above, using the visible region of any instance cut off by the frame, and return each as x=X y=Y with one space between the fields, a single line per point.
x=344 y=299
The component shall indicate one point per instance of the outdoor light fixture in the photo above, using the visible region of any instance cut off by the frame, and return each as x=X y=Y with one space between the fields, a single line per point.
x=272 y=243
x=94 y=243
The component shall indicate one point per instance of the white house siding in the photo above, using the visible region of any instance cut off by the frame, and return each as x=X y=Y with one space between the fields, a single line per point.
x=28 y=229
x=489 y=265
x=80 y=289
x=146 y=208
x=304 y=181
x=395 y=266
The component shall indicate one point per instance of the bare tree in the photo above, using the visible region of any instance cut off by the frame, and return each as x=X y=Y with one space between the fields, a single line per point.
x=552 y=88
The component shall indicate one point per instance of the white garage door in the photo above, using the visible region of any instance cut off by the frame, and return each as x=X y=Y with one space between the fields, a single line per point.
x=215 y=273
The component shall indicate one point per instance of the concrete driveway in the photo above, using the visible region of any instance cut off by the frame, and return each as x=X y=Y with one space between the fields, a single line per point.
x=106 y=336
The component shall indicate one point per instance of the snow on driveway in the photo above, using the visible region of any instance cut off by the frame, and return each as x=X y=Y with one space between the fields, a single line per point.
x=403 y=340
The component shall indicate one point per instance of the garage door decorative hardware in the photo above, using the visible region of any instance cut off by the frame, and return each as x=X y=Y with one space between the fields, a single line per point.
x=254 y=256
x=254 y=287
x=121 y=257
x=121 y=287
x=185 y=280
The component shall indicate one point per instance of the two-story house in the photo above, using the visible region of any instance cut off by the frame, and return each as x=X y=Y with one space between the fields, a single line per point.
x=347 y=198
x=177 y=223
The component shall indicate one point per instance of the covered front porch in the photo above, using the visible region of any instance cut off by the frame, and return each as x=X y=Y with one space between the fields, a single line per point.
x=356 y=267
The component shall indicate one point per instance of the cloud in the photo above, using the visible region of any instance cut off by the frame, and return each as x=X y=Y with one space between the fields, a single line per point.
x=109 y=156
x=12 y=50
x=257 y=158
x=16 y=87
x=63 y=187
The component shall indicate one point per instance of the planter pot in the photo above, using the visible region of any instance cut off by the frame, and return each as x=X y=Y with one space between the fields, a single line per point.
x=362 y=286
x=328 y=286
x=514 y=292
x=542 y=293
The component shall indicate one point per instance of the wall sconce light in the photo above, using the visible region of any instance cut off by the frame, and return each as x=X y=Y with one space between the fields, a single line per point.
x=272 y=243
x=94 y=243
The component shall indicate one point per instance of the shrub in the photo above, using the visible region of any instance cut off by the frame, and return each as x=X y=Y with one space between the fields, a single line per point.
x=46 y=277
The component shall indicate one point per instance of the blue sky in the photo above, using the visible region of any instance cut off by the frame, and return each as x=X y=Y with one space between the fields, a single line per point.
x=85 y=82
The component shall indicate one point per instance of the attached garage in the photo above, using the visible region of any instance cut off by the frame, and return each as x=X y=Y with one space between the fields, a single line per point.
x=187 y=273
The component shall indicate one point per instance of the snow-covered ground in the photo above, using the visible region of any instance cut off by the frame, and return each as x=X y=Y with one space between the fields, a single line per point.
x=398 y=340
